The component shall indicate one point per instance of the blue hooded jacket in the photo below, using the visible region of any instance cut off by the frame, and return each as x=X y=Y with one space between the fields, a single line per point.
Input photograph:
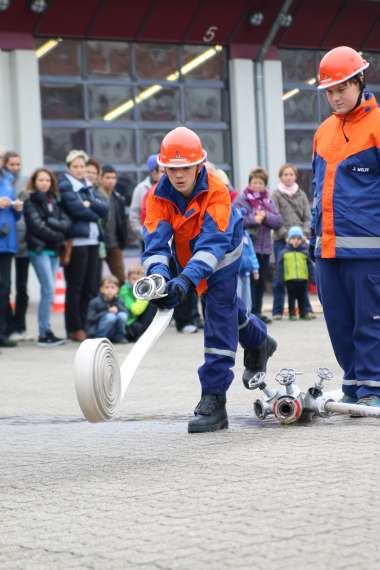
x=8 y=216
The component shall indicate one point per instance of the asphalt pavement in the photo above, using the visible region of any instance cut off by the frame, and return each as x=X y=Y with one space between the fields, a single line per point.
x=141 y=493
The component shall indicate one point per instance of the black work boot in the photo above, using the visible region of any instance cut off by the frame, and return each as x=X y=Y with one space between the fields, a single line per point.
x=210 y=414
x=256 y=359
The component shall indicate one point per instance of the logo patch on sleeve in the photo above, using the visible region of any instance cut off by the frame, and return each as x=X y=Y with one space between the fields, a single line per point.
x=362 y=169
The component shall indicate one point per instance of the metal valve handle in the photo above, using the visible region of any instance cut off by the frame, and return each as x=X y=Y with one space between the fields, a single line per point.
x=324 y=375
x=257 y=381
x=286 y=376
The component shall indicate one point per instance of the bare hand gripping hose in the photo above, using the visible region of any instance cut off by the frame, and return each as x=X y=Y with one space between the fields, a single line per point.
x=99 y=381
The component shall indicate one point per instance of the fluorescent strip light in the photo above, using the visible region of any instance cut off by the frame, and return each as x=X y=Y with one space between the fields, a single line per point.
x=290 y=94
x=46 y=47
x=150 y=91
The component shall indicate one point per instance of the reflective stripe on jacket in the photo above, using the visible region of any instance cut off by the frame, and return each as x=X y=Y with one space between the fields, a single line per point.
x=346 y=168
x=206 y=229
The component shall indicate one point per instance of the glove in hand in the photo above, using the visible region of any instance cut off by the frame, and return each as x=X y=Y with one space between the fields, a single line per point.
x=176 y=290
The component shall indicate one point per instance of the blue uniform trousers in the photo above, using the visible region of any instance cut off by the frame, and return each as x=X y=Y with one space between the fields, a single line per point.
x=349 y=291
x=227 y=322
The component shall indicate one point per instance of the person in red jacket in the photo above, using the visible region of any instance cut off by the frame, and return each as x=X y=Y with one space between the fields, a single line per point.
x=346 y=222
x=190 y=217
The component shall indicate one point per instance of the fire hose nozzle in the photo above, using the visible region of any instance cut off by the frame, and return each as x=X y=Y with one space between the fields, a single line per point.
x=150 y=287
x=262 y=409
x=288 y=409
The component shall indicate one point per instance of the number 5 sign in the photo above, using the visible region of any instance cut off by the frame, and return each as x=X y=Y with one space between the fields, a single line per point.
x=210 y=34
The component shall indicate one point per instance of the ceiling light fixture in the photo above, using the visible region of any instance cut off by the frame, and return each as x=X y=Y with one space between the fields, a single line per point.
x=38 y=6
x=4 y=5
x=256 y=19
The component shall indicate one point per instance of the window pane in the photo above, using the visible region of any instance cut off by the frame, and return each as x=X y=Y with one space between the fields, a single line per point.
x=214 y=144
x=212 y=68
x=62 y=102
x=162 y=106
x=299 y=145
x=301 y=107
x=372 y=73
x=325 y=109
x=63 y=59
x=59 y=141
x=304 y=181
x=204 y=104
x=108 y=58
x=298 y=65
x=150 y=142
x=156 y=61
x=105 y=98
x=113 y=145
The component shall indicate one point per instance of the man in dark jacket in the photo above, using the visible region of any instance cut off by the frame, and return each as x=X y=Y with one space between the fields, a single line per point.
x=115 y=226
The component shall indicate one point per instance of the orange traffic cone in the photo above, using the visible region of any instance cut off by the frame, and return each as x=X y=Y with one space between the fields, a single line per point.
x=59 y=293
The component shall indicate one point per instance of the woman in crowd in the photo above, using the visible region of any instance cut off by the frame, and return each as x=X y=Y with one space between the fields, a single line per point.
x=294 y=207
x=85 y=208
x=47 y=228
x=260 y=216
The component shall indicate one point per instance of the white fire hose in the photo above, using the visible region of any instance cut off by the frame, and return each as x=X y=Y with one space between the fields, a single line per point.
x=99 y=381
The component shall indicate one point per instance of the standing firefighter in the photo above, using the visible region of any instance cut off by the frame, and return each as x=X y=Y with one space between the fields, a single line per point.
x=346 y=222
x=194 y=208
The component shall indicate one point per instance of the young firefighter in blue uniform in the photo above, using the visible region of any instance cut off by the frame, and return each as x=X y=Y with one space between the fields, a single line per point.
x=194 y=208
x=346 y=222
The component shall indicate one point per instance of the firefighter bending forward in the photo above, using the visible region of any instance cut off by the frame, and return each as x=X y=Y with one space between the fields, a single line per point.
x=190 y=218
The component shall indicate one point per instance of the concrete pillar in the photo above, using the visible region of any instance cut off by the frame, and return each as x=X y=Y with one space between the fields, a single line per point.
x=243 y=121
x=27 y=123
x=6 y=103
x=275 y=124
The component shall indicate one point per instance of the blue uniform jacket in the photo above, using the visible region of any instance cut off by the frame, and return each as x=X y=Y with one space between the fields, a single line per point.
x=8 y=216
x=206 y=230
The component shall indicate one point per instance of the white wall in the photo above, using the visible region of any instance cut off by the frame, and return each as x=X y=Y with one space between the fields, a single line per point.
x=275 y=124
x=20 y=118
x=6 y=107
x=243 y=120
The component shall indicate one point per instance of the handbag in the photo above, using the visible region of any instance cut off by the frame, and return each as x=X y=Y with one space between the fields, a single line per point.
x=65 y=252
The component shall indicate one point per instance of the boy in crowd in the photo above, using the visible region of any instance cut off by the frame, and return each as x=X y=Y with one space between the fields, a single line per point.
x=107 y=314
x=194 y=208
x=115 y=224
x=140 y=313
x=295 y=268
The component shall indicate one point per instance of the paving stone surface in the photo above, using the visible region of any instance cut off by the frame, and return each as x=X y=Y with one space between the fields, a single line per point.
x=139 y=492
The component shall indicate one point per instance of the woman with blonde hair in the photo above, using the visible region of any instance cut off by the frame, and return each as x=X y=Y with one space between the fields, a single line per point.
x=85 y=208
x=294 y=207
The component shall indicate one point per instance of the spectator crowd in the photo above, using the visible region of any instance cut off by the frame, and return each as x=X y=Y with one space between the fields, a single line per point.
x=82 y=220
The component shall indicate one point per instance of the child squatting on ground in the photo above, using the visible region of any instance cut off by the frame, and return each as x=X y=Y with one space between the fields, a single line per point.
x=107 y=314
x=190 y=218
x=140 y=313
x=294 y=269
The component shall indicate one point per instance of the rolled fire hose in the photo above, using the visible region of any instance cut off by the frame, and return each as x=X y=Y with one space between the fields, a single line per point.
x=100 y=383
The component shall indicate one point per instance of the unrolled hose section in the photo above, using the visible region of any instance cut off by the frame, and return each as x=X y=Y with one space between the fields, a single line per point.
x=352 y=409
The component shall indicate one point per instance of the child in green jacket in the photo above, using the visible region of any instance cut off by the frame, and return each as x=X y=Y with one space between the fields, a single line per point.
x=141 y=313
x=294 y=268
